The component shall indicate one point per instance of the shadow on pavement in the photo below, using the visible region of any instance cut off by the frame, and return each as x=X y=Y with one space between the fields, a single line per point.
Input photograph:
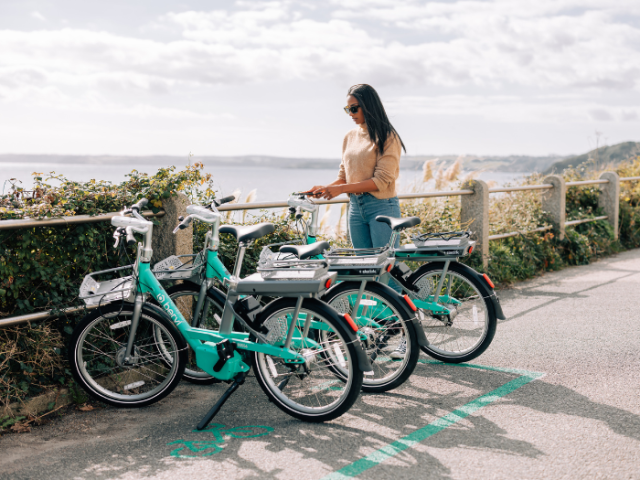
x=300 y=450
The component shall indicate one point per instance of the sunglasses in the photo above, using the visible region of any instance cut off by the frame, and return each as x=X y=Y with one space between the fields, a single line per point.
x=352 y=109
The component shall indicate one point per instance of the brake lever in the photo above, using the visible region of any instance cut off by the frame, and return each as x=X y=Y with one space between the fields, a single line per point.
x=117 y=234
x=183 y=224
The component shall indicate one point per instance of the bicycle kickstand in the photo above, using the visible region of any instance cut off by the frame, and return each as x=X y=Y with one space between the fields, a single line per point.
x=238 y=380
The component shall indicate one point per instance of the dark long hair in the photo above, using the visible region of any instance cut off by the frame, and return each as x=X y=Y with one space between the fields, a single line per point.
x=375 y=116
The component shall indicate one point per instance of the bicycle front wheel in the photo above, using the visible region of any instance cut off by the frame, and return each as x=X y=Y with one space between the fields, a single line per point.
x=309 y=391
x=391 y=340
x=97 y=355
x=468 y=330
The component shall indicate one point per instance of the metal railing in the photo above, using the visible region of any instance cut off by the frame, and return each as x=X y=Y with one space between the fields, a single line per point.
x=29 y=223
x=55 y=222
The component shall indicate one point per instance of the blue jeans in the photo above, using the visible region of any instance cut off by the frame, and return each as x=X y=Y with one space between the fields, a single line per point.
x=365 y=230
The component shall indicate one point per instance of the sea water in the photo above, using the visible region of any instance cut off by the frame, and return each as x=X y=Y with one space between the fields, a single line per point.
x=270 y=184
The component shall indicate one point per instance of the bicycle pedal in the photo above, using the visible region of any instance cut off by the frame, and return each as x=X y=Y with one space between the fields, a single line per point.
x=225 y=352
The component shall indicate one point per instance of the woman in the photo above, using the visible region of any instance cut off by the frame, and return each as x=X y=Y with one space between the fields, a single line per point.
x=368 y=172
x=369 y=169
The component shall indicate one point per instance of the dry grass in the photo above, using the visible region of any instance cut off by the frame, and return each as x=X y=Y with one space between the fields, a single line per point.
x=29 y=357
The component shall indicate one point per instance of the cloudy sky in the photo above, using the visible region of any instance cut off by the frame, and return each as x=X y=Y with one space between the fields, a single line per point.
x=254 y=77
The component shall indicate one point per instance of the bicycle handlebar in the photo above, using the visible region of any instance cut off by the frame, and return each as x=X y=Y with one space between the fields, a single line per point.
x=141 y=203
x=227 y=199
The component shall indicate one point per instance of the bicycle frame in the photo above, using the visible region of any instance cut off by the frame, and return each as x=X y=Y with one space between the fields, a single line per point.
x=207 y=343
x=361 y=317
x=203 y=341
x=433 y=303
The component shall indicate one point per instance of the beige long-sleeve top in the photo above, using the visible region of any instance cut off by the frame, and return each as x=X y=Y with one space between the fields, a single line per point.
x=361 y=161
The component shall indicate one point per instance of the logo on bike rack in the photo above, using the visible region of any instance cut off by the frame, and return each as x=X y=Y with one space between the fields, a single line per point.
x=206 y=448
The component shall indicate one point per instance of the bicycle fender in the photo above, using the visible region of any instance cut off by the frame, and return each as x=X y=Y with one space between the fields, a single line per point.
x=487 y=292
x=491 y=292
x=157 y=310
x=422 y=338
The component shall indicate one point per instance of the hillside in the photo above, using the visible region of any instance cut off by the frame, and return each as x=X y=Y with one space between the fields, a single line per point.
x=511 y=163
x=598 y=158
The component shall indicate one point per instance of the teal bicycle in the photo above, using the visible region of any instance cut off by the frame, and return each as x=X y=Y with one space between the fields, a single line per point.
x=457 y=307
x=384 y=319
x=128 y=352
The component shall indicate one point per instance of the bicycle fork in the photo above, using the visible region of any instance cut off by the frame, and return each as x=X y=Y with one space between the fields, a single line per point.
x=135 y=320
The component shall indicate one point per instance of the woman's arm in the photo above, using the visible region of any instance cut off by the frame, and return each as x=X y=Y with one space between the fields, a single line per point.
x=333 y=190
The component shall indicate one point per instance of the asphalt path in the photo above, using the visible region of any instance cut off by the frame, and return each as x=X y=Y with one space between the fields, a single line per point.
x=557 y=395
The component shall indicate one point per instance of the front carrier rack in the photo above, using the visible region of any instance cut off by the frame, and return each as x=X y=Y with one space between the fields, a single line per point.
x=94 y=292
x=172 y=268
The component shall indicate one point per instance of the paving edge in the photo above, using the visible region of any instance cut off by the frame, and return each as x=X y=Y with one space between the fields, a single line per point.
x=38 y=405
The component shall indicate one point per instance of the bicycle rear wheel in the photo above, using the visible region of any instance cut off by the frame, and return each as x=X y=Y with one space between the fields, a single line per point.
x=309 y=391
x=97 y=356
x=469 y=330
x=391 y=365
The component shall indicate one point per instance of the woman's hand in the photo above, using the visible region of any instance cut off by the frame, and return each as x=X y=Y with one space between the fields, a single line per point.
x=317 y=190
x=332 y=191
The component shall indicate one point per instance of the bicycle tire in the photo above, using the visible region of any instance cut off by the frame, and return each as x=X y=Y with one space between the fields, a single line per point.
x=322 y=385
x=439 y=331
x=100 y=371
x=380 y=342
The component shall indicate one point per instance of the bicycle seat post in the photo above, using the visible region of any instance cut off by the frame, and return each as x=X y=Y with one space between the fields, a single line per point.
x=242 y=248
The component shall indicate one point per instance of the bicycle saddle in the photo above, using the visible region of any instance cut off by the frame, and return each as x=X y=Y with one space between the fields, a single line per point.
x=250 y=232
x=398 y=224
x=305 y=251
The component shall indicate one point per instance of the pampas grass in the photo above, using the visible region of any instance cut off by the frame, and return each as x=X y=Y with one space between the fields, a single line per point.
x=251 y=197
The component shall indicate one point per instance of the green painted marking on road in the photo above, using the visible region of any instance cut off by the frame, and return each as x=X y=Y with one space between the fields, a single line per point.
x=203 y=448
x=376 y=458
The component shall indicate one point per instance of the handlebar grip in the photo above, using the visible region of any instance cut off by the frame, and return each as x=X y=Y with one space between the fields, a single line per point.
x=141 y=203
x=131 y=240
x=227 y=199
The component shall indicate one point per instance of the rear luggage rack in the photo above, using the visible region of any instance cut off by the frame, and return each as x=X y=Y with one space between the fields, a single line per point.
x=442 y=238
x=291 y=270
x=358 y=256
x=439 y=244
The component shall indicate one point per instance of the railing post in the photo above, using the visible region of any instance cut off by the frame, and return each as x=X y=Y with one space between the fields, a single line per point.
x=165 y=243
x=474 y=211
x=609 y=199
x=554 y=203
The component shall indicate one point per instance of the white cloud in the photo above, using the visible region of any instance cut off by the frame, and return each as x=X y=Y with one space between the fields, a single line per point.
x=501 y=60
x=550 y=109
x=629 y=116
x=487 y=44
x=38 y=16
